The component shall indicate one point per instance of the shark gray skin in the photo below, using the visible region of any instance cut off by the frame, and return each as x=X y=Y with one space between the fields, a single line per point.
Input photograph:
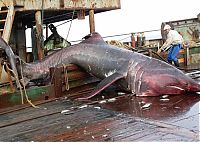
x=134 y=72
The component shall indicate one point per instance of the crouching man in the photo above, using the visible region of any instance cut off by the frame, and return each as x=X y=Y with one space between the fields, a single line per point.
x=173 y=43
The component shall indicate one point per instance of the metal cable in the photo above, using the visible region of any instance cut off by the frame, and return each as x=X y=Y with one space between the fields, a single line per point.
x=63 y=23
x=121 y=34
x=70 y=24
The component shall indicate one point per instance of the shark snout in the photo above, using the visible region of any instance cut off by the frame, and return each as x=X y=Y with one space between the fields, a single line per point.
x=193 y=87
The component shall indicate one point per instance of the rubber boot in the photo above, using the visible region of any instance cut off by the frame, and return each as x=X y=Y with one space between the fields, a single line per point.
x=169 y=61
x=176 y=63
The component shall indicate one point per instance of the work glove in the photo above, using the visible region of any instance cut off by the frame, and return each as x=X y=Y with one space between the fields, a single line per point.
x=159 y=50
x=184 y=45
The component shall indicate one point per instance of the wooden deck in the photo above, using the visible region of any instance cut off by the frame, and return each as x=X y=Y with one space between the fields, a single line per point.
x=111 y=116
x=122 y=118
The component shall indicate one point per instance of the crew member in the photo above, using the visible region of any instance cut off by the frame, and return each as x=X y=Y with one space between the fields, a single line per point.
x=173 y=43
x=54 y=41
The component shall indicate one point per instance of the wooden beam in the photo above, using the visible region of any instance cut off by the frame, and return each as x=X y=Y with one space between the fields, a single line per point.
x=8 y=24
x=91 y=21
x=38 y=19
x=56 y=77
x=63 y=4
x=20 y=38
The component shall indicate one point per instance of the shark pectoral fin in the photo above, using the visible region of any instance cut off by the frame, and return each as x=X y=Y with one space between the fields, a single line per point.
x=103 y=84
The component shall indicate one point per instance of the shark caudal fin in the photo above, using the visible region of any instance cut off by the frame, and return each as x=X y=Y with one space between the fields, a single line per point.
x=106 y=82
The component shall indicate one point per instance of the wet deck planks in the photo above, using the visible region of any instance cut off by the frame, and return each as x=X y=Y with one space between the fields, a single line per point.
x=174 y=119
x=86 y=123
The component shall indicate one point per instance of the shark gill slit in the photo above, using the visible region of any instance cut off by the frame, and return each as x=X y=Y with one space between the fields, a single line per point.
x=133 y=77
x=129 y=79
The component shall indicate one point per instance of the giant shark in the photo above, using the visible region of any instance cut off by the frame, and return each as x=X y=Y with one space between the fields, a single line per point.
x=131 y=71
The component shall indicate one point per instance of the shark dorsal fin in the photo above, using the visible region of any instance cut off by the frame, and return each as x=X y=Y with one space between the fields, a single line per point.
x=93 y=38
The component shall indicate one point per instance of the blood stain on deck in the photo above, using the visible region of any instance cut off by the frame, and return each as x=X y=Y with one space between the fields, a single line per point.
x=111 y=116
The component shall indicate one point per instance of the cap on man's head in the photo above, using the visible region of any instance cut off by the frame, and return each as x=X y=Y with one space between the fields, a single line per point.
x=52 y=27
x=167 y=27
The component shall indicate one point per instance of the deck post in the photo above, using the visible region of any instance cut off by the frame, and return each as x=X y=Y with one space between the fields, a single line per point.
x=38 y=20
x=56 y=77
x=91 y=20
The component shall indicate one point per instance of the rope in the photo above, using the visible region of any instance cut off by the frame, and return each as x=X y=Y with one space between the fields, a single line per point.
x=10 y=79
x=17 y=80
x=60 y=57
x=66 y=77
x=23 y=84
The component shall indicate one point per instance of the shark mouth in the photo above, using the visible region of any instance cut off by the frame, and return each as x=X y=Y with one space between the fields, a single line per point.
x=174 y=90
x=176 y=87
